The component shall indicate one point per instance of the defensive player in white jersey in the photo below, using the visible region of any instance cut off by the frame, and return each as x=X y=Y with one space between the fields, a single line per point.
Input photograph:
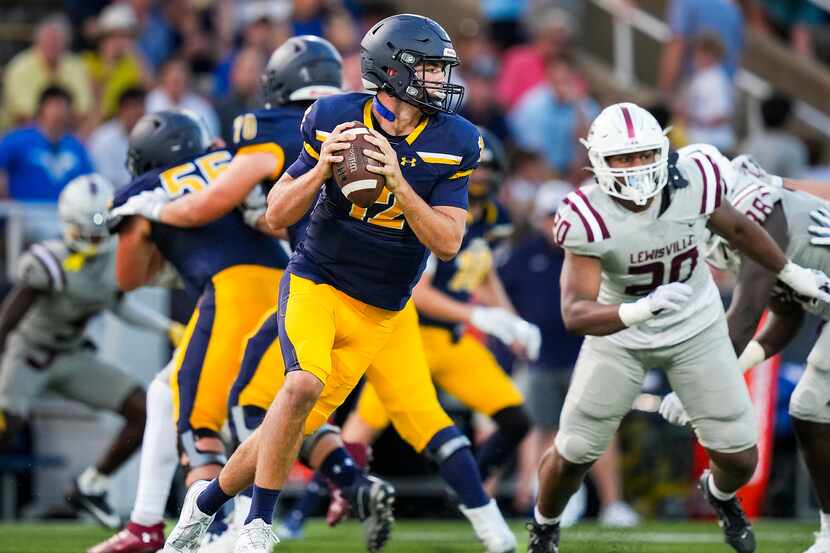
x=788 y=217
x=634 y=282
x=61 y=285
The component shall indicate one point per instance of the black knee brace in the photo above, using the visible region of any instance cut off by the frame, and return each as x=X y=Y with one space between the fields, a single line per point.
x=513 y=422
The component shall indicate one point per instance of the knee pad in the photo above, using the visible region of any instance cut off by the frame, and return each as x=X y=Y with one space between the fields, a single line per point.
x=730 y=435
x=242 y=422
x=445 y=443
x=576 y=449
x=194 y=456
x=513 y=422
x=311 y=441
x=809 y=399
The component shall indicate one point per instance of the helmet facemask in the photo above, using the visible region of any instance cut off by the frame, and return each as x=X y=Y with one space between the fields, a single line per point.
x=637 y=184
x=429 y=95
x=87 y=237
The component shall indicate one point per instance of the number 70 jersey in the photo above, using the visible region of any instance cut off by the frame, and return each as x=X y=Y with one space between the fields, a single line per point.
x=641 y=251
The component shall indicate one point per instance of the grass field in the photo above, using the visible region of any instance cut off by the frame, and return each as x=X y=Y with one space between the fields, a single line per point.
x=453 y=537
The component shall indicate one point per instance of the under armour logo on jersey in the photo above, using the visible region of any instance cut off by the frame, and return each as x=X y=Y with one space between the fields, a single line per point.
x=408 y=161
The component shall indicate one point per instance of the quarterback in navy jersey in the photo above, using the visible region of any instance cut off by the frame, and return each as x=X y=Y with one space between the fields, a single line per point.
x=458 y=362
x=344 y=298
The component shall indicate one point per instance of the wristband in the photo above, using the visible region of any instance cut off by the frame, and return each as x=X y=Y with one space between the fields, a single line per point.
x=752 y=355
x=634 y=313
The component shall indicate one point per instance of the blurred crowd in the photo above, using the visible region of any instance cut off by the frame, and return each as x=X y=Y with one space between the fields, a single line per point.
x=70 y=100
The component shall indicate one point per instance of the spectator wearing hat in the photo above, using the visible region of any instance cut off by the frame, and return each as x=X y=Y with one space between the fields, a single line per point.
x=116 y=65
x=108 y=143
x=46 y=63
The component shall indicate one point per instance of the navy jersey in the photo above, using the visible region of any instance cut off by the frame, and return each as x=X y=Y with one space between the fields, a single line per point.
x=276 y=131
x=459 y=277
x=201 y=252
x=371 y=253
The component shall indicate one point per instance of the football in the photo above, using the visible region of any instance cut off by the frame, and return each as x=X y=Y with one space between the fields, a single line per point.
x=358 y=184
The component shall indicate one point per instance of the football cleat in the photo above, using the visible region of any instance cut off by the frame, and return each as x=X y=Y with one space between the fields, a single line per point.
x=619 y=515
x=135 y=538
x=737 y=530
x=542 y=538
x=339 y=508
x=291 y=527
x=221 y=535
x=256 y=537
x=490 y=528
x=374 y=503
x=821 y=545
x=187 y=536
x=95 y=505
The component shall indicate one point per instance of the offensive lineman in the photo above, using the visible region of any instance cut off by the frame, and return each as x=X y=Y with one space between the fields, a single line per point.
x=633 y=281
x=786 y=216
x=61 y=285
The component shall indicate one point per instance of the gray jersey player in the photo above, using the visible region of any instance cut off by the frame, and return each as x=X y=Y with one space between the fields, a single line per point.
x=634 y=281
x=788 y=216
x=61 y=284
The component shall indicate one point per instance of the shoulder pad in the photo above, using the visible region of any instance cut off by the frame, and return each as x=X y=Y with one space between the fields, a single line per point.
x=40 y=267
x=578 y=225
x=706 y=175
x=755 y=199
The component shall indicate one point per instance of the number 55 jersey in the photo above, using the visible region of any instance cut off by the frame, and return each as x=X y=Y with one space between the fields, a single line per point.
x=662 y=244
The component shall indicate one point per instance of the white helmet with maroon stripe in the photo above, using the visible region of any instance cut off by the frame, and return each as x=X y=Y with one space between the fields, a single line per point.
x=82 y=208
x=623 y=129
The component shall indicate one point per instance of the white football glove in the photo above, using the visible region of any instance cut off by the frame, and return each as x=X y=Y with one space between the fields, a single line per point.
x=148 y=204
x=672 y=410
x=664 y=300
x=821 y=230
x=807 y=282
x=495 y=321
x=529 y=337
x=254 y=206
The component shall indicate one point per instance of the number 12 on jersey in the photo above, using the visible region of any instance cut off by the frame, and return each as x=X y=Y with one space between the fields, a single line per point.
x=385 y=212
